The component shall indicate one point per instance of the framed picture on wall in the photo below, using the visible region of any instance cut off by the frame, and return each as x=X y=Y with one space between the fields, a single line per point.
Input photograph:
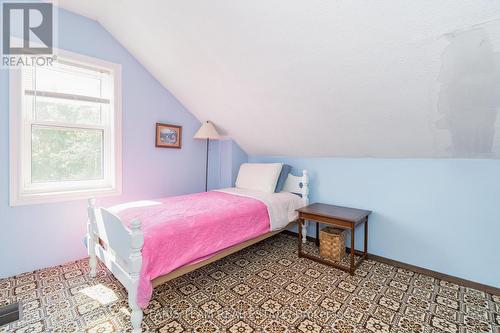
x=168 y=136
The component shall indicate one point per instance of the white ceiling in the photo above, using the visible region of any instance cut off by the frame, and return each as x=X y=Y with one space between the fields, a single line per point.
x=386 y=78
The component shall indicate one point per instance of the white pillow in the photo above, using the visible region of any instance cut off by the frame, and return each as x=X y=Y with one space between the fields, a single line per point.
x=259 y=176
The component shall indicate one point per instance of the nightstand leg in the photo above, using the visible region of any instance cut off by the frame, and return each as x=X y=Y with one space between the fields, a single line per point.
x=365 y=251
x=317 y=233
x=351 y=268
x=300 y=237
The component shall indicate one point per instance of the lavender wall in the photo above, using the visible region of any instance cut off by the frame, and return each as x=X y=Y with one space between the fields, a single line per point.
x=38 y=236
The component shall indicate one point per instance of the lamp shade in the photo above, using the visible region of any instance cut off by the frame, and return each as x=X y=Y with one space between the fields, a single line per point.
x=207 y=131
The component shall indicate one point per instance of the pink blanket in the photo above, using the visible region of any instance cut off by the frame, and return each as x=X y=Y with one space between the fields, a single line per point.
x=184 y=229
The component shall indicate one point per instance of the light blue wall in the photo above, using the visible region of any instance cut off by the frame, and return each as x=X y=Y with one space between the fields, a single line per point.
x=441 y=214
x=238 y=156
x=225 y=158
x=38 y=236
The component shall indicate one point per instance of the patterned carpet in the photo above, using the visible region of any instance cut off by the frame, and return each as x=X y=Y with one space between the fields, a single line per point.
x=262 y=288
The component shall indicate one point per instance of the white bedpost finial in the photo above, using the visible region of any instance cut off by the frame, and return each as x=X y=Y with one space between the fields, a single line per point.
x=305 y=198
x=91 y=238
x=137 y=239
x=135 y=225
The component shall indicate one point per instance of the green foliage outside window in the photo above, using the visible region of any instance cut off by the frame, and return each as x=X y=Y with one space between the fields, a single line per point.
x=63 y=154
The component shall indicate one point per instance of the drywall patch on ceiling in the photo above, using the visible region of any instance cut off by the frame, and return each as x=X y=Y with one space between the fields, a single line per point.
x=315 y=78
x=469 y=99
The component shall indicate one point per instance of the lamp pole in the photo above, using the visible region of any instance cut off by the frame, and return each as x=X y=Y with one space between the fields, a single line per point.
x=207 y=131
x=206 y=169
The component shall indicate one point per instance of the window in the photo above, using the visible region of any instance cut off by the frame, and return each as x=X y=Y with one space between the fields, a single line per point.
x=65 y=130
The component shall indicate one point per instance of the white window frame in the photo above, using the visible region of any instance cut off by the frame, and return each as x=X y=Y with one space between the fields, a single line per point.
x=20 y=192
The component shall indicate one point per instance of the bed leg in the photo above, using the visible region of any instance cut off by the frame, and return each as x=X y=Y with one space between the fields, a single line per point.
x=136 y=314
x=304 y=232
x=135 y=269
x=91 y=238
x=92 y=256
x=305 y=199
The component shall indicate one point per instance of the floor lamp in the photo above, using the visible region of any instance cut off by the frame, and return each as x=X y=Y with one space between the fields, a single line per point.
x=207 y=131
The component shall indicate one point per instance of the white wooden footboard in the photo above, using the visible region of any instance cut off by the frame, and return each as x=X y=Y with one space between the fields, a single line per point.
x=119 y=248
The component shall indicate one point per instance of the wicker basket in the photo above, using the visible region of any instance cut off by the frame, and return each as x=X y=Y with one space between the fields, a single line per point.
x=332 y=243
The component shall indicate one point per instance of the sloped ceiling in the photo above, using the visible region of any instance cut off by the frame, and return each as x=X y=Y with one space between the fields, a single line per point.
x=385 y=78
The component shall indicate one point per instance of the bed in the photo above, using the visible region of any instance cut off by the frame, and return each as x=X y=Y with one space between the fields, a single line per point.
x=147 y=243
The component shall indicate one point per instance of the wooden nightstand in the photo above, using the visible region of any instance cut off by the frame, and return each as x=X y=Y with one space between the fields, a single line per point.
x=337 y=216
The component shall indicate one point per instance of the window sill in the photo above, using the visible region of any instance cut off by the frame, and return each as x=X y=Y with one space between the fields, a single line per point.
x=44 y=198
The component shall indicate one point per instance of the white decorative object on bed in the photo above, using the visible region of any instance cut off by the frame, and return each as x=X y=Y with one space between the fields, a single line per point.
x=259 y=176
x=120 y=247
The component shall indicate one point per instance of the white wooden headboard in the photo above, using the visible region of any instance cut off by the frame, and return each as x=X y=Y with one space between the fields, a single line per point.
x=298 y=185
